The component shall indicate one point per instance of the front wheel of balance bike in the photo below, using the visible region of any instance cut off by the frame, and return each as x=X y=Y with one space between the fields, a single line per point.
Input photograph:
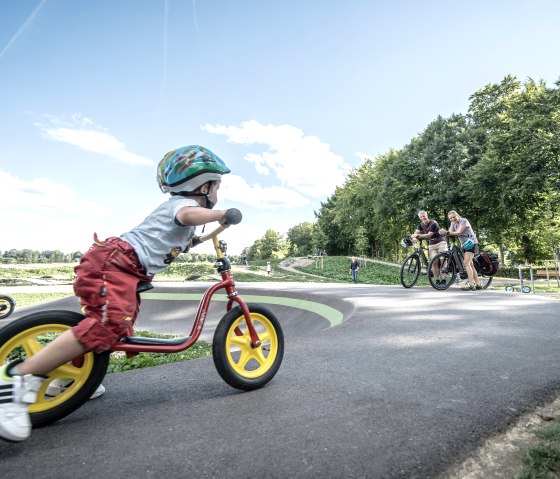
x=7 y=306
x=26 y=336
x=238 y=363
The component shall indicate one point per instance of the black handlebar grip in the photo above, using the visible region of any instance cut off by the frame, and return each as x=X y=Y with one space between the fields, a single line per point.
x=233 y=216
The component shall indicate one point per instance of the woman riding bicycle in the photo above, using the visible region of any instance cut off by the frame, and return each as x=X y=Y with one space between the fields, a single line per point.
x=108 y=275
x=461 y=228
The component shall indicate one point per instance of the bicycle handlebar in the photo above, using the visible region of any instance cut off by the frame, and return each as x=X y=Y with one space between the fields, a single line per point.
x=233 y=217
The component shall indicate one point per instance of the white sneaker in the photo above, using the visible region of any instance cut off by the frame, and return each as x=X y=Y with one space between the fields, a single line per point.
x=16 y=393
x=57 y=386
x=98 y=392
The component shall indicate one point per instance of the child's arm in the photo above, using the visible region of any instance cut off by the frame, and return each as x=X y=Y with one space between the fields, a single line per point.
x=197 y=216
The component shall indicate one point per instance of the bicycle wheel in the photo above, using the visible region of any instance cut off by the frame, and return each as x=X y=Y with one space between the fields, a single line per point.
x=442 y=271
x=485 y=280
x=410 y=270
x=240 y=365
x=7 y=306
x=26 y=336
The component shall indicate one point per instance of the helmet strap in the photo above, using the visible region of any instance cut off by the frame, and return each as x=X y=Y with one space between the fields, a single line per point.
x=209 y=203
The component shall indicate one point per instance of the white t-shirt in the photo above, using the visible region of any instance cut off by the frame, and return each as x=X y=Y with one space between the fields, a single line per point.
x=160 y=238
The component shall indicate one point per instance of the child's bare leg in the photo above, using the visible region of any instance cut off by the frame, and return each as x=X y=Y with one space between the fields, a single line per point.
x=63 y=349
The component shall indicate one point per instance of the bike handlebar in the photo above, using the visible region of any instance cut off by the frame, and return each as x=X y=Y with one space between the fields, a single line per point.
x=233 y=217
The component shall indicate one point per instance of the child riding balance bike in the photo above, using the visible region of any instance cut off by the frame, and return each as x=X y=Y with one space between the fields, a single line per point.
x=52 y=346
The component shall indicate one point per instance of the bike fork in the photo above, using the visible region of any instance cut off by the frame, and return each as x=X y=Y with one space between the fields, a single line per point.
x=255 y=340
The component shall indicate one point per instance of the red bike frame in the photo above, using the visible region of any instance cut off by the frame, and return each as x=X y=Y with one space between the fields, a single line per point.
x=226 y=283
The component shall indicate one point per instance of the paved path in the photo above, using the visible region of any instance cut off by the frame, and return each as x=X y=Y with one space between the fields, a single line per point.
x=409 y=382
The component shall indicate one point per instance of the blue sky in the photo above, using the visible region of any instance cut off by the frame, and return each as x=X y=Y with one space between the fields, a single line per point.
x=291 y=94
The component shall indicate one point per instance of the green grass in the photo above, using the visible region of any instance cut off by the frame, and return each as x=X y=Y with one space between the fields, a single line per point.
x=337 y=269
x=543 y=461
x=119 y=362
x=29 y=299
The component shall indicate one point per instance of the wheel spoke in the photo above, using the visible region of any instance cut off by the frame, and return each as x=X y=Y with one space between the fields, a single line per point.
x=259 y=356
x=31 y=346
x=68 y=371
x=264 y=336
x=244 y=358
x=239 y=341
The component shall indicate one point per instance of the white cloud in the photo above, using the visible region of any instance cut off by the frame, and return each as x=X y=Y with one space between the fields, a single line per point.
x=42 y=214
x=41 y=195
x=86 y=137
x=235 y=188
x=302 y=163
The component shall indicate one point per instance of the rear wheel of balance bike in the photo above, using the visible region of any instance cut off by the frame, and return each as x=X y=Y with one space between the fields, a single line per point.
x=442 y=271
x=238 y=363
x=7 y=305
x=26 y=336
x=410 y=271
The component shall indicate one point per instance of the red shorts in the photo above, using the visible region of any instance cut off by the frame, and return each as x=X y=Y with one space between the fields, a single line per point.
x=108 y=275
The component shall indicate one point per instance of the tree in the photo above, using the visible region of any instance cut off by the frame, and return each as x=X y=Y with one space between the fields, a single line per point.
x=515 y=184
x=301 y=239
x=271 y=246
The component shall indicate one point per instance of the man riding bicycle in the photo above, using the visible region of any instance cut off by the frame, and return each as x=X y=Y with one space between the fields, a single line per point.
x=429 y=230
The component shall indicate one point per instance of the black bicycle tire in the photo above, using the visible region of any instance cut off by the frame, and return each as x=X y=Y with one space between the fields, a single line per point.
x=490 y=278
x=11 y=305
x=96 y=375
x=220 y=354
x=450 y=273
x=418 y=268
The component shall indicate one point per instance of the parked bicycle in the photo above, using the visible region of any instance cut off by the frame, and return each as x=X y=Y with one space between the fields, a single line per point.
x=414 y=264
x=247 y=347
x=447 y=268
x=7 y=306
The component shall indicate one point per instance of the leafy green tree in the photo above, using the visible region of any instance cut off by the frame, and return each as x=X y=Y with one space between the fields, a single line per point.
x=328 y=235
x=515 y=184
x=320 y=240
x=361 y=240
x=301 y=239
x=271 y=246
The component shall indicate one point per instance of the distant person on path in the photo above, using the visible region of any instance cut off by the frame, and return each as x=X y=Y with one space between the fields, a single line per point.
x=429 y=230
x=469 y=243
x=244 y=257
x=268 y=268
x=108 y=275
x=354 y=268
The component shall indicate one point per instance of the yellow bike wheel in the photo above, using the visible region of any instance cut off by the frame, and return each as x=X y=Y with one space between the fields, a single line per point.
x=240 y=364
x=26 y=336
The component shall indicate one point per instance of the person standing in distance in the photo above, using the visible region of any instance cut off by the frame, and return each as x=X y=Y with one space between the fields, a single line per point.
x=354 y=268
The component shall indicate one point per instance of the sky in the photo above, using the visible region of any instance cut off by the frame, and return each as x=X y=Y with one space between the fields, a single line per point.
x=291 y=94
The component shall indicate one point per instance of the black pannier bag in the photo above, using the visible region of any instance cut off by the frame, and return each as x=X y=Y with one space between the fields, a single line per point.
x=487 y=263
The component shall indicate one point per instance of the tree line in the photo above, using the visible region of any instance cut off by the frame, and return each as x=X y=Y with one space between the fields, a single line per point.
x=497 y=165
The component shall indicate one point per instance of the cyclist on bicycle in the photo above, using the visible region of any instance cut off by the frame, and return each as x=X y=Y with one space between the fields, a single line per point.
x=109 y=273
x=429 y=230
x=461 y=228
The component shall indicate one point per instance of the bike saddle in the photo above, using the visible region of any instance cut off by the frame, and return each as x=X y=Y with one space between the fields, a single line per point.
x=144 y=286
